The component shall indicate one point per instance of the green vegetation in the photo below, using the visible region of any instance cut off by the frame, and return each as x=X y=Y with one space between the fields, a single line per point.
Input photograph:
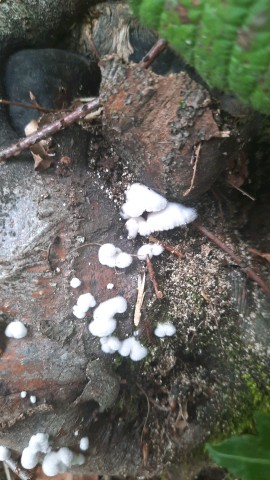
x=228 y=43
x=247 y=456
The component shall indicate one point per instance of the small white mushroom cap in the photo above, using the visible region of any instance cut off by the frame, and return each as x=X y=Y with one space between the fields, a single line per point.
x=138 y=351
x=75 y=282
x=133 y=348
x=33 y=398
x=110 y=307
x=23 y=394
x=66 y=456
x=102 y=328
x=4 y=453
x=157 y=249
x=52 y=464
x=149 y=249
x=110 y=344
x=106 y=252
x=174 y=215
x=84 y=443
x=39 y=443
x=112 y=256
x=123 y=260
x=166 y=329
x=86 y=301
x=29 y=459
x=78 y=313
x=141 y=198
x=16 y=329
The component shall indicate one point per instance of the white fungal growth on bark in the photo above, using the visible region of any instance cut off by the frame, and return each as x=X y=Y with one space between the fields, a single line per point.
x=166 y=329
x=112 y=256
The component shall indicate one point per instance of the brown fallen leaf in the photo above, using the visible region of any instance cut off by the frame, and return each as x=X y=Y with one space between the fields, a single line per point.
x=41 y=164
x=266 y=256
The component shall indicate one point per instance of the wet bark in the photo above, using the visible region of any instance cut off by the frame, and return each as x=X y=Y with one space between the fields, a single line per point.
x=140 y=417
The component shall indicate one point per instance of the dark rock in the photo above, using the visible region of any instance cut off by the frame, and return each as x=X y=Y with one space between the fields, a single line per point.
x=55 y=77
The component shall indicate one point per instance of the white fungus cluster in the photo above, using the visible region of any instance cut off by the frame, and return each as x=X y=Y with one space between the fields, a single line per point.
x=149 y=249
x=166 y=329
x=60 y=461
x=112 y=256
x=38 y=443
x=133 y=348
x=162 y=215
x=104 y=322
x=140 y=199
x=16 y=329
x=4 y=453
x=84 y=302
x=110 y=344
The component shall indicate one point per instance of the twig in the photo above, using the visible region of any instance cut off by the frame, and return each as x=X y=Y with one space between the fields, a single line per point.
x=166 y=247
x=48 y=130
x=28 y=105
x=7 y=472
x=152 y=275
x=20 y=472
x=159 y=46
x=140 y=298
x=242 y=191
x=196 y=159
x=250 y=273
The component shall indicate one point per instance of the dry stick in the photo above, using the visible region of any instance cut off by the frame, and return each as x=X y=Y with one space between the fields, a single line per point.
x=166 y=247
x=250 y=273
x=242 y=191
x=152 y=275
x=28 y=105
x=197 y=156
x=49 y=130
x=159 y=46
x=20 y=472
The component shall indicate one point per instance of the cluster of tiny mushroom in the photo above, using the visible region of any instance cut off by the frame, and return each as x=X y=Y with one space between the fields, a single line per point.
x=159 y=215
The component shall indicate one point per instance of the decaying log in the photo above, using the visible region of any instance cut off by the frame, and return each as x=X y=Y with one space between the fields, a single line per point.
x=155 y=123
x=140 y=417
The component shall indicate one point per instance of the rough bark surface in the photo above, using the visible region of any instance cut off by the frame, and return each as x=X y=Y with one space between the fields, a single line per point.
x=143 y=417
x=157 y=122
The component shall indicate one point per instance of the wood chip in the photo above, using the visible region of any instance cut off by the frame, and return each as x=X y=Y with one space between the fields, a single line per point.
x=140 y=297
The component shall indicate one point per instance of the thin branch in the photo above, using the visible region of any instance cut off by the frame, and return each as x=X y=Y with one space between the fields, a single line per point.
x=241 y=191
x=250 y=273
x=152 y=275
x=28 y=105
x=195 y=164
x=19 y=471
x=159 y=46
x=50 y=129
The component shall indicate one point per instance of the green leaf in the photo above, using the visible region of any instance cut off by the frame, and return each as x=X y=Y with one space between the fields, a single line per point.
x=246 y=456
x=228 y=42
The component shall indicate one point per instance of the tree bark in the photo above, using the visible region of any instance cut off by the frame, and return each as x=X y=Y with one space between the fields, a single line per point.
x=147 y=417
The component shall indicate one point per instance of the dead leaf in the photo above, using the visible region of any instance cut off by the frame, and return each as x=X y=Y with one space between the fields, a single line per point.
x=41 y=164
